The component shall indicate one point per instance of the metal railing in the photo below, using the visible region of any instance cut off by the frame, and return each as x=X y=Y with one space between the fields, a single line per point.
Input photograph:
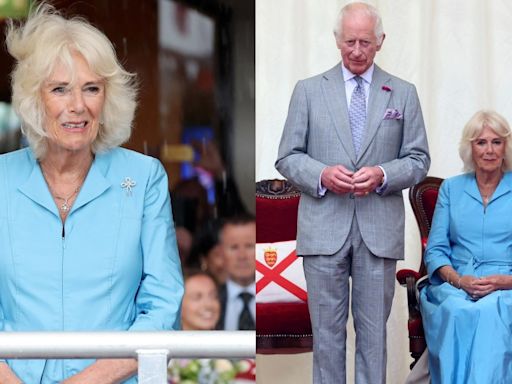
x=151 y=349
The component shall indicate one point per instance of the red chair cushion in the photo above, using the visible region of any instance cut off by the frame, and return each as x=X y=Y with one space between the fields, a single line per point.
x=283 y=328
x=276 y=219
x=429 y=202
x=280 y=327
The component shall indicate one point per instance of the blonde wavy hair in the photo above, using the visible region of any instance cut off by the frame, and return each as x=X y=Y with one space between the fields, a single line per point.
x=47 y=38
x=472 y=130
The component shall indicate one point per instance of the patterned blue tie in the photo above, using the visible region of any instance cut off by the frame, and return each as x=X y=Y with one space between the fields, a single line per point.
x=357 y=113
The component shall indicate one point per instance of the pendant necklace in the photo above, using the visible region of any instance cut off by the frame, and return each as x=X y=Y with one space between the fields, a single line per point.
x=65 y=206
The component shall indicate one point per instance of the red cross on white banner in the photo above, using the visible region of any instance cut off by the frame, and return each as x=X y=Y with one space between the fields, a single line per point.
x=274 y=273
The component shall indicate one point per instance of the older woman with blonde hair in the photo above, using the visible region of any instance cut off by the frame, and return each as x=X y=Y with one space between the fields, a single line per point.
x=87 y=240
x=467 y=308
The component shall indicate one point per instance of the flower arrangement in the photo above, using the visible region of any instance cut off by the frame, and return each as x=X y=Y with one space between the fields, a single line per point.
x=206 y=371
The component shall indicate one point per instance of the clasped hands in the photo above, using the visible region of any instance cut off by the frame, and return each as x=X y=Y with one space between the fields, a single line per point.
x=478 y=287
x=339 y=179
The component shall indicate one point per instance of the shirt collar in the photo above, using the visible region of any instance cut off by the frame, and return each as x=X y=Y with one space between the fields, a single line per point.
x=235 y=289
x=367 y=75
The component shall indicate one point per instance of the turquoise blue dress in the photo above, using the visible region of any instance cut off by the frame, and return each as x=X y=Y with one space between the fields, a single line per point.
x=113 y=266
x=469 y=341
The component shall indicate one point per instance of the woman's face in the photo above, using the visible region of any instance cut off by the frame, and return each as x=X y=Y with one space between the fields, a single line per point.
x=201 y=306
x=488 y=151
x=72 y=108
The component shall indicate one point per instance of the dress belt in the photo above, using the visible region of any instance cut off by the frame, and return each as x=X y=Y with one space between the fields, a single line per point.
x=499 y=263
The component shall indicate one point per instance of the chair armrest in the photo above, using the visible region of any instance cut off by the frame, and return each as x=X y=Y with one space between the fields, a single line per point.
x=403 y=274
x=408 y=278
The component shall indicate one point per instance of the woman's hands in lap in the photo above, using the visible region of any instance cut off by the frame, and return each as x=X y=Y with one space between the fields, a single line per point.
x=478 y=287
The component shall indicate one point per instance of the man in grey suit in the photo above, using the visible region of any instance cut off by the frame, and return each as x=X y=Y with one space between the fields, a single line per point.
x=354 y=138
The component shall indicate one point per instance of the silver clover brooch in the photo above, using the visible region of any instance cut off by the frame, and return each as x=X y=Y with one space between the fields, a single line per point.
x=127 y=185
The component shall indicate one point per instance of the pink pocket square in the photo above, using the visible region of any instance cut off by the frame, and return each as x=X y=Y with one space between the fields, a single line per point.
x=392 y=114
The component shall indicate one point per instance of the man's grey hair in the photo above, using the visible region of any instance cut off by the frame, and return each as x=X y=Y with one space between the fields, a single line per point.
x=369 y=9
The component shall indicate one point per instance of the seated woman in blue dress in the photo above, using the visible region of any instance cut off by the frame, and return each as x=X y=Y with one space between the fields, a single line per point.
x=467 y=308
x=87 y=241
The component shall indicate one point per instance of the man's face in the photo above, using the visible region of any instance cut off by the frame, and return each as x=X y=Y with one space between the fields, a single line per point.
x=238 y=243
x=357 y=42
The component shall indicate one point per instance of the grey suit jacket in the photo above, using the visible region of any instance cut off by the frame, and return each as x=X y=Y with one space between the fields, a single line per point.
x=317 y=134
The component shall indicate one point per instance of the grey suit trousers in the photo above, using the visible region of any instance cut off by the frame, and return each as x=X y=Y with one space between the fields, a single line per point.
x=373 y=284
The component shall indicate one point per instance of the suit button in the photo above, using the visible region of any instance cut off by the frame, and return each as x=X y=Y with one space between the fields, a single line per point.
x=351 y=195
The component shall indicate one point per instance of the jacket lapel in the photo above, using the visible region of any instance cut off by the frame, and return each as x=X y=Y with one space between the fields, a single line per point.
x=471 y=188
x=377 y=104
x=95 y=183
x=35 y=187
x=504 y=187
x=333 y=87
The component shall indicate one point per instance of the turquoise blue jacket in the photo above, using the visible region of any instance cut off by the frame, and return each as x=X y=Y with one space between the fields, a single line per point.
x=464 y=234
x=469 y=340
x=114 y=265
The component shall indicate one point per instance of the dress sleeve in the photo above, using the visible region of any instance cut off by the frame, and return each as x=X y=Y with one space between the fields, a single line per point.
x=439 y=250
x=3 y=207
x=2 y=326
x=158 y=299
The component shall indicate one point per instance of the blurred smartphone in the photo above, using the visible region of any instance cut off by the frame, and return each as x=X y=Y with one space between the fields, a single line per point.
x=177 y=153
x=198 y=134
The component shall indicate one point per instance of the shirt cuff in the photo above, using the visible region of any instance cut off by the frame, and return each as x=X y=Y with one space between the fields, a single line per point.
x=381 y=188
x=320 y=189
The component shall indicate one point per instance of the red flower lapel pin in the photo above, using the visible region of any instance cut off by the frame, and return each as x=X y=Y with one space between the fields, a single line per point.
x=386 y=88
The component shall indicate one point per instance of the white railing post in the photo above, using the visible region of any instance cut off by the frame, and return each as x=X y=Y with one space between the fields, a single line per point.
x=152 y=366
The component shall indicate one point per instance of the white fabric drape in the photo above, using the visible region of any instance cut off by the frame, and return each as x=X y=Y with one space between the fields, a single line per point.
x=458 y=53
